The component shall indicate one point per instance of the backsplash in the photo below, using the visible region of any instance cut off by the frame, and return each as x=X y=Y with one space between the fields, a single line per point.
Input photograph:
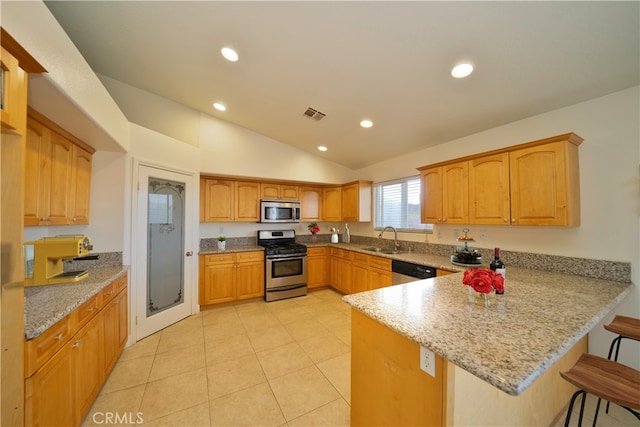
x=94 y=260
x=598 y=269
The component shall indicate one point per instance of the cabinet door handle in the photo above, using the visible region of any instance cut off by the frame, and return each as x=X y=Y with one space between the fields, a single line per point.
x=77 y=343
x=189 y=253
x=513 y=220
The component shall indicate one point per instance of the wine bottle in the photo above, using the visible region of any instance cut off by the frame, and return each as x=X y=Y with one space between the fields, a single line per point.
x=497 y=265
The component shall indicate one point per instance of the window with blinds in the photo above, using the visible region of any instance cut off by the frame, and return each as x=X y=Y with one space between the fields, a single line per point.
x=397 y=203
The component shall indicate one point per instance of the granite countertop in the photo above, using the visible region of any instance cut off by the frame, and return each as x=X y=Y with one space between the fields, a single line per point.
x=48 y=304
x=508 y=344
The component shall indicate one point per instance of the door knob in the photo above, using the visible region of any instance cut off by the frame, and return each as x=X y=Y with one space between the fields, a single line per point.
x=189 y=253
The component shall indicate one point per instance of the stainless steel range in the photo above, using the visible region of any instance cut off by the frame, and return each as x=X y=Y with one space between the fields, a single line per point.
x=285 y=264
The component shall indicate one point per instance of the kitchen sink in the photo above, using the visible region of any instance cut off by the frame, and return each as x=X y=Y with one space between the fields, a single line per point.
x=384 y=251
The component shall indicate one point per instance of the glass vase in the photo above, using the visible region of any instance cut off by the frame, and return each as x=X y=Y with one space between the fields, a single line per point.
x=314 y=238
x=480 y=298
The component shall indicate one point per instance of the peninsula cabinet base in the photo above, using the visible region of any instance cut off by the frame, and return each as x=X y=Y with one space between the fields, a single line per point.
x=389 y=389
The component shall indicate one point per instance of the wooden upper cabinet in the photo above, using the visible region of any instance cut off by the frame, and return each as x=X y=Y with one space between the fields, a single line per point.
x=217 y=200
x=356 y=201
x=431 y=203
x=332 y=204
x=82 y=161
x=489 y=200
x=247 y=201
x=310 y=204
x=445 y=194
x=11 y=91
x=535 y=183
x=57 y=187
x=545 y=186
x=274 y=191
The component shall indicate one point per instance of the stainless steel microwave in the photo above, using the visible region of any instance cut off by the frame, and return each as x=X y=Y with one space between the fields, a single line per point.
x=279 y=211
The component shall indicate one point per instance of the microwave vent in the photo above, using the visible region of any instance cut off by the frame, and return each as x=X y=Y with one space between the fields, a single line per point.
x=314 y=114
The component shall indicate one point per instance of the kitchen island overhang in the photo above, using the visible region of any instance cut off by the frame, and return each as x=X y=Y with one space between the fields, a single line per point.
x=509 y=344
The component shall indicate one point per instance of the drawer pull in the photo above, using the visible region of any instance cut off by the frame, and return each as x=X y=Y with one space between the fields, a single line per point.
x=77 y=343
x=90 y=309
x=57 y=337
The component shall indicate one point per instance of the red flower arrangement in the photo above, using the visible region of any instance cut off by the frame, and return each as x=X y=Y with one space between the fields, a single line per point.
x=313 y=228
x=483 y=280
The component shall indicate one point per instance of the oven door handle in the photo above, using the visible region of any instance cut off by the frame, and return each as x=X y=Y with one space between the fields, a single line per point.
x=286 y=256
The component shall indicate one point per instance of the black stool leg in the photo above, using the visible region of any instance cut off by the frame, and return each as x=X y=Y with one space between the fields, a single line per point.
x=570 y=410
x=595 y=417
x=615 y=343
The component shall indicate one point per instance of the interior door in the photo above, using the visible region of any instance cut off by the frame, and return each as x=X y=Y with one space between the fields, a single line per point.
x=163 y=249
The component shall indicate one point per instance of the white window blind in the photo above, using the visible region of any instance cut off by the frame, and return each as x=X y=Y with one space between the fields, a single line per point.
x=397 y=203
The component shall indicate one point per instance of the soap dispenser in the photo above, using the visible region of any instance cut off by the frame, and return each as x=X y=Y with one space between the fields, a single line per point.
x=346 y=234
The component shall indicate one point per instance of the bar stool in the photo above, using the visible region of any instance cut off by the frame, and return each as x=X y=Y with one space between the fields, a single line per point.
x=606 y=379
x=625 y=327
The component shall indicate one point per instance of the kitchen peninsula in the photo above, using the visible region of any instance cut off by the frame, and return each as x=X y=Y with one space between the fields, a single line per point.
x=494 y=365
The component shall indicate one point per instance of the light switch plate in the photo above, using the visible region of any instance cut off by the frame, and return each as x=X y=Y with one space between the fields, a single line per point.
x=428 y=361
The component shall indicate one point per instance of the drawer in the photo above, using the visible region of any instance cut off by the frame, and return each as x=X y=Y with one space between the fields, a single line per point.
x=87 y=310
x=249 y=256
x=109 y=292
x=379 y=262
x=41 y=348
x=316 y=251
x=337 y=252
x=121 y=284
x=219 y=259
x=360 y=258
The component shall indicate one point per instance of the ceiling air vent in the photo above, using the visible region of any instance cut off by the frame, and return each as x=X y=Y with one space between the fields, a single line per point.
x=314 y=114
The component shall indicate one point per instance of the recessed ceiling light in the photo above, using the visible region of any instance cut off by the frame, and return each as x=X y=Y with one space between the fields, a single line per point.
x=229 y=54
x=462 y=70
x=322 y=148
x=219 y=107
x=366 y=123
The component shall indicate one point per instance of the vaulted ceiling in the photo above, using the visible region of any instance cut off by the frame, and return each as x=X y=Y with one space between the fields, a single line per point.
x=389 y=62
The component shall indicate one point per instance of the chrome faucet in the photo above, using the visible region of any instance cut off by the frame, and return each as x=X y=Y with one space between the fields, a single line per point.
x=395 y=234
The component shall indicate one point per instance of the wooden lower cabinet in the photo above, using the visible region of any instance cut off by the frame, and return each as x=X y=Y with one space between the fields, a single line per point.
x=387 y=386
x=317 y=267
x=231 y=276
x=66 y=366
x=353 y=272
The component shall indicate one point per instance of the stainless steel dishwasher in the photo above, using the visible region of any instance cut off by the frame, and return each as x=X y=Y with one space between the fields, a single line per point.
x=405 y=272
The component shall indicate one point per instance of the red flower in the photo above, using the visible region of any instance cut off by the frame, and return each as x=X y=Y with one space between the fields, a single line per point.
x=483 y=280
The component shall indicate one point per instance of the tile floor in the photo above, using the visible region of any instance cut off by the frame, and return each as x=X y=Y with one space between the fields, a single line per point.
x=285 y=363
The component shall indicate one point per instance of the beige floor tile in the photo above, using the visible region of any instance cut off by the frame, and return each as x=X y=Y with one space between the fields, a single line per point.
x=283 y=360
x=175 y=339
x=343 y=334
x=223 y=329
x=123 y=402
x=234 y=375
x=128 y=373
x=302 y=391
x=145 y=347
x=308 y=299
x=334 y=320
x=215 y=315
x=323 y=346
x=252 y=307
x=186 y=324
x=173 y=394
x=254 y=322
x=289 y=314
x=334 y=414
x=224 y=349
x=254 y=406
x=338 y=372
x=177 y=361
x=267 y=339
x=197 y=416
x=307 y=329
